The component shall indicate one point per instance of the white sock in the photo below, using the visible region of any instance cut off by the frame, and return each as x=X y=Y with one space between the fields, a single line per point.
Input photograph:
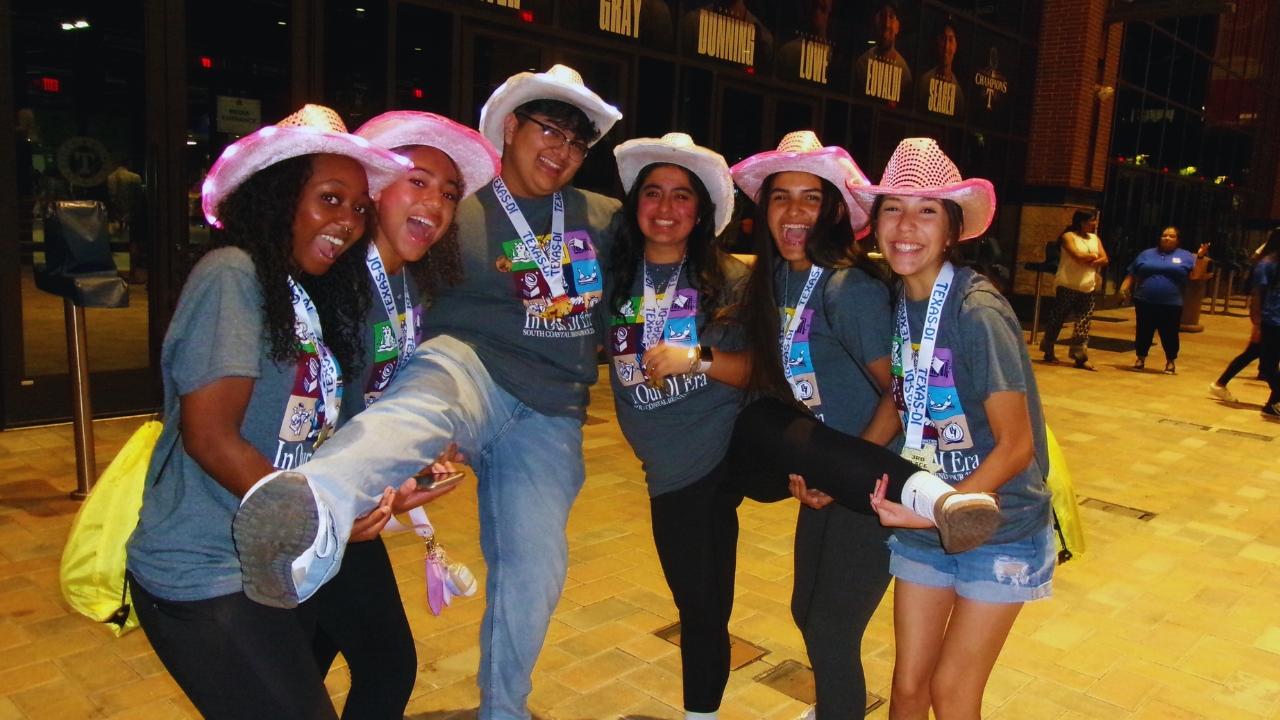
x=701 y=716
x=921 y=492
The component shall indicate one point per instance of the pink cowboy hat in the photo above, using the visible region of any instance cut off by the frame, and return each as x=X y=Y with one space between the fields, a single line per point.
x=476 y=158
x=919 y=168
x=312 y=130
x=801 y=151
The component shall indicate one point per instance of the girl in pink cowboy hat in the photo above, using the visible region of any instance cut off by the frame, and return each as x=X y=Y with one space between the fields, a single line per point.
x=253 y=366
x=414 y=250
x=971 y=412
x=817 y=311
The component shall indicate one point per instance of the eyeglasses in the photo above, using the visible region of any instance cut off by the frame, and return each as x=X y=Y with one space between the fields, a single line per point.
x=554 y=138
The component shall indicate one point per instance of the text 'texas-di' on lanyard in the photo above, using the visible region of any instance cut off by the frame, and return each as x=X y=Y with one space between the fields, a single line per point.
x=915 y=370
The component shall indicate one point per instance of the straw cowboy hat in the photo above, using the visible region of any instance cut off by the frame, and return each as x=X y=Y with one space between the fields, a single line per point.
x=476 y=158
x=919 y=168
x=559 y=83
x=679 y=149
x=801 y=151
x=312 y=130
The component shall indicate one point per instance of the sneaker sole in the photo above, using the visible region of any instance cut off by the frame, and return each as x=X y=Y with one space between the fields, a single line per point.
x=274 y=526
x=966 y=524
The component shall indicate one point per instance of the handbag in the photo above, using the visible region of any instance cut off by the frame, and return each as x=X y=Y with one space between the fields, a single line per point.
x=92 y=574
x=1068 y=530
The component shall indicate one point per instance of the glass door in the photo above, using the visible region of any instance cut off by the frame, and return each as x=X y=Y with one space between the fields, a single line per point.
x=80 y=117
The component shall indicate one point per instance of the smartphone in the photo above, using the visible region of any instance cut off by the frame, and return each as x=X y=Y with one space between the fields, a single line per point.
x=428 y=480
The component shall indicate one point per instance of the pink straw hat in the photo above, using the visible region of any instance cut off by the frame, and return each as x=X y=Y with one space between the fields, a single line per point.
x=314 y=129
x=919 y=168
x=476 y=158
x=801 y=151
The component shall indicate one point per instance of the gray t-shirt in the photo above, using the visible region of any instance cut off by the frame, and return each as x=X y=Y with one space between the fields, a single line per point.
x=182 y=548
x=979 y=351
x=847 y=318
x=681 y=431
x=382 y=355
x=546 y=364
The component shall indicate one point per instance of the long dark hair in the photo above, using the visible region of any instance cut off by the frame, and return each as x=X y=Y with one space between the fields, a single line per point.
x=257 y=217
x=1078 y=219
x=703 y=253
x=831 y=244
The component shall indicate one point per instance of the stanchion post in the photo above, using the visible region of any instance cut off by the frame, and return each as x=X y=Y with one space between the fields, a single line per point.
x=81 y=409
x=1217 y=285
x=1035 y=314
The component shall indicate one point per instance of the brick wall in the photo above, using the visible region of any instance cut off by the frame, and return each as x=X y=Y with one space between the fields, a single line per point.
x=1073 y=40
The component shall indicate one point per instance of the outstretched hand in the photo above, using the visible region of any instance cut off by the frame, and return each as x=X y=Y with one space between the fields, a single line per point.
x=396 y=501
x=894 y=514
x=815 y=499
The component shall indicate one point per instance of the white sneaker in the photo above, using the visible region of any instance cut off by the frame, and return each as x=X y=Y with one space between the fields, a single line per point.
x=286 y=540
x=810 y=714
x=1221 y=392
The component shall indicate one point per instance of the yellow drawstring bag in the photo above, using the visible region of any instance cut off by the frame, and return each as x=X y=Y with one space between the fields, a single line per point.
x=92 y=573
x=1066 y=512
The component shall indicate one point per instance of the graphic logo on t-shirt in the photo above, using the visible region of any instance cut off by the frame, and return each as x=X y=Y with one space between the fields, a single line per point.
x=303 y=413
x=945 y=425
x=386 y=357
x=626 y=345
x=547 y=316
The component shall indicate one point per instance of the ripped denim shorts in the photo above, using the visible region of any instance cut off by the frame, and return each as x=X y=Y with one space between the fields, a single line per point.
x=1020 y=571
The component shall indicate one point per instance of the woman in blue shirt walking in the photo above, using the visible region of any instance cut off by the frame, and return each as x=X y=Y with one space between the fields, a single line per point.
x=1160 y=275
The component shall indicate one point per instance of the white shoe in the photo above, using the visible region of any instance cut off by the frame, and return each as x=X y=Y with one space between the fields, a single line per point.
x=1221 y=392
x=810 y=714
x=286 y=540
x=964 y=520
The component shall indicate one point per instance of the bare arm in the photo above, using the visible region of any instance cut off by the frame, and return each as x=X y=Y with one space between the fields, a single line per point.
x=663 y=360
x=1071 y=246
x=1102 y=259
x=1201 y=267
x=1015 y=445
x=885 y=423
x=211 y=418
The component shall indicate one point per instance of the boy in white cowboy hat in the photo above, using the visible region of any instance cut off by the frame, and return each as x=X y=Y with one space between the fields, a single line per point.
x=505 y=373
x=971 y=410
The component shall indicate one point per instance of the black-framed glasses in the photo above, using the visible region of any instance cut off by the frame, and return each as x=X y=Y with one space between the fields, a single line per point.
x=553 y=137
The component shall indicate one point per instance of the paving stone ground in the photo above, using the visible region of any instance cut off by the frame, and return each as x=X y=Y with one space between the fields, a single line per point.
x=1171 y=618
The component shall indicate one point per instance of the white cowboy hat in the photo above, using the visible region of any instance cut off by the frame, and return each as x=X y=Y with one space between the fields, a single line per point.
x=314 y=129
x=801 y=151
x=476 y=158
x=679 y=149
x=559 y=83
x=919 y=168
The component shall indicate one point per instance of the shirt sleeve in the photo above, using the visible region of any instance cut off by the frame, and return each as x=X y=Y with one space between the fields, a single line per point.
x=1263 y=274
x=992 y=346
x=858 y=312
x=727 y=333
x=217 y=329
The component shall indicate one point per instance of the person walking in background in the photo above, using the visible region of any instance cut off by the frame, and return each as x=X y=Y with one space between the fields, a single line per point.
x=1155 y=282
x=1264 y=311
x=1253 y=352
x=1077 y=279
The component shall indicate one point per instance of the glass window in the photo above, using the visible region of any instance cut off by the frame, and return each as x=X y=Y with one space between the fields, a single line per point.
x=835 y=123
x=655 y=86
x=789 y=116
x=741 y=124
x=355 y=58
x=80 y=104
x=493 y=61
x=694 y=115
x=1136 y=53
x=424 y=59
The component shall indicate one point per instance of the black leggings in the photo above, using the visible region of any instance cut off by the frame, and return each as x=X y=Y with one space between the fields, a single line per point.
x=359 y=613
x=695 y=528
x=234 y=658
x=842 y=572
x=1241 y=361
x=1269 y=360
x=1152 y=318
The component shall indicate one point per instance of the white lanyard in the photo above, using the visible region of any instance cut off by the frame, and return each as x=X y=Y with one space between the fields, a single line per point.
x=550 y=262
x=406 y=341
x=915 y=373
x=330 y=374
x=789 y=332
x=655 y=311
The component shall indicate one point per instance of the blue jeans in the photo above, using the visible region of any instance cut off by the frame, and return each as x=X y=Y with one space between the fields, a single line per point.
x=530 y=470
